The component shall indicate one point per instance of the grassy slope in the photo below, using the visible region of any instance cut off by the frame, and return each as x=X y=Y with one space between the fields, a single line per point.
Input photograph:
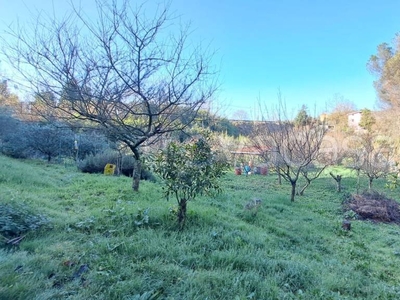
x=283 y=251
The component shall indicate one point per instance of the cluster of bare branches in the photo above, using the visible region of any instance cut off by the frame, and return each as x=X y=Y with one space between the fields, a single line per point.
x=134 y=76
x=294 y=150
x=372 y=155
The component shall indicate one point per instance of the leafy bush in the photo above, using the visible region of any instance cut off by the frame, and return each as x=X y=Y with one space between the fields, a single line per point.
x=20 y=139
x=188 y=170
x=96 y=163
x=49 y=140
x=91 y=143
x=393 y=181
x=13 y=137
x=17 y=219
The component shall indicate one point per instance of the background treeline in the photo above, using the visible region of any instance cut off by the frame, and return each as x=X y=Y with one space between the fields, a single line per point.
x=26 y=133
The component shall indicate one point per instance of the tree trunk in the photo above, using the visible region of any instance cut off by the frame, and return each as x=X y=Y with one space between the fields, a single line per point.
x=182 y=213
x=346 y=225
x=370 y=183
x=301 y=193
x=338 y=179
x=279 y=177
x=119 y=163
x=137 y=170
x=339 y=184
x=293 y=191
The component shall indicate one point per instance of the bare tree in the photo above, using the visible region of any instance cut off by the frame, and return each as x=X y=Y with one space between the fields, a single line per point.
x=241 y=115
x=338 y=180
x=371 y=155
x=333 y=152
x=134 y=76
x=292 y=148
x=310 y=173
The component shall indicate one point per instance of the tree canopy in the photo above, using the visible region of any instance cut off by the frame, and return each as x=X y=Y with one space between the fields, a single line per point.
x=188 y=170
x=132 y=74
x=302 y=118
x=7 y=99
x=367 y=119
x=385 y=64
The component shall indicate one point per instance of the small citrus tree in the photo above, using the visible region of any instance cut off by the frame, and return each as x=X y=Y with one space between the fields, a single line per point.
x=189 y=169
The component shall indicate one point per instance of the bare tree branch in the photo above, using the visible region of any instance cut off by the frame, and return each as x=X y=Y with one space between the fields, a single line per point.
x=292 y=149
x=134 y=76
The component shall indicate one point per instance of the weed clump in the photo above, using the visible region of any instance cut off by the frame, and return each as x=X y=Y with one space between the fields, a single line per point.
x=16 y=220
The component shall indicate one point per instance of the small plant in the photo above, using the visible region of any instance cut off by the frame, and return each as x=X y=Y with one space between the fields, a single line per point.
x=253 y=204
x=142 y=217
x=393 y=181
x=341 y=230
x=188 y=170
x=16 y=220
x=87 y=225
x=350 y=215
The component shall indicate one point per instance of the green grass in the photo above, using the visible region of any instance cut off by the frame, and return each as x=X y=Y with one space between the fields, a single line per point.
x=283 y=250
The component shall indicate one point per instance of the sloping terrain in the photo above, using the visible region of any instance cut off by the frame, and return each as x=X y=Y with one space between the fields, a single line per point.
x=105 y=242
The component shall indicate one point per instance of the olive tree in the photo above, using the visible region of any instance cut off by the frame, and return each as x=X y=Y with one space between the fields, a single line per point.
x=13 y=137
x=50 y=140
x=132 y=74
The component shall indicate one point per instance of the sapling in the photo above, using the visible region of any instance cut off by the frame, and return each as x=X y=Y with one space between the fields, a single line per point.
x=189 y=169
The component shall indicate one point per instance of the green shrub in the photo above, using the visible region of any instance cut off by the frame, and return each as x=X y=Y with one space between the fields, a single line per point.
x=17 y=219
x=13 y=138
x=188 y=170
x=96 y=163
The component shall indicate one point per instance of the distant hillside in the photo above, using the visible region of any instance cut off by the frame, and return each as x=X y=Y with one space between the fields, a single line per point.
x=246 y=127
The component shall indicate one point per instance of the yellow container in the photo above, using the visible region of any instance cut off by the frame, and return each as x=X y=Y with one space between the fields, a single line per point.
x=109 y=169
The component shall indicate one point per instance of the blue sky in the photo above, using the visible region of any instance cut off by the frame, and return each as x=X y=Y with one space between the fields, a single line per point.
x=311 y=50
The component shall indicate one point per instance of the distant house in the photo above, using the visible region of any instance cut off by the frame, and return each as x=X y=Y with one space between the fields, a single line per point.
x=354 y=119
x=323 y=117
